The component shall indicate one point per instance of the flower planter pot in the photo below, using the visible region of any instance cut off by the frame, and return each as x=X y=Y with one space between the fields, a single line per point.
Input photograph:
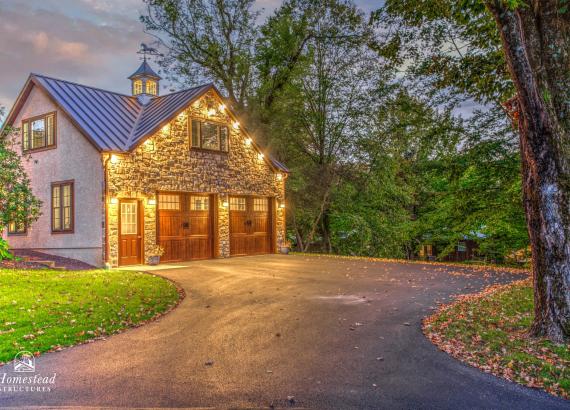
x=285 y=250
x=153 y=260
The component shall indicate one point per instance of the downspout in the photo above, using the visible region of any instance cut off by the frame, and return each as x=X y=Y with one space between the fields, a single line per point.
x=105 y=200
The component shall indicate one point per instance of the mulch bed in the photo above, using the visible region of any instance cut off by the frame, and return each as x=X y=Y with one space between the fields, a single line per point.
x=32 y=257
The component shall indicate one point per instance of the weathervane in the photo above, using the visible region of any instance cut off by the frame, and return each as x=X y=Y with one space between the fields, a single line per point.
x=151 y=51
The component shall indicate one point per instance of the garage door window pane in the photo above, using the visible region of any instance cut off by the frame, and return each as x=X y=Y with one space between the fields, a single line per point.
x=129 y=219
x=237 y=204
x=260 y=204
x=169 y=202
x=199 y=203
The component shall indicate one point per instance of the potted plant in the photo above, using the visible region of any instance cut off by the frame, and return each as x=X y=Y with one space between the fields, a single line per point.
x=154 y=255
x=285 y=247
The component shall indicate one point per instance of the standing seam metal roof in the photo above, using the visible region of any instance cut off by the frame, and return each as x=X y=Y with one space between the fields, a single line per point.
x=117 y=122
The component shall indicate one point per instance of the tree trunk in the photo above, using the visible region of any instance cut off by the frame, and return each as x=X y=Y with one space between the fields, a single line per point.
x=536 y=42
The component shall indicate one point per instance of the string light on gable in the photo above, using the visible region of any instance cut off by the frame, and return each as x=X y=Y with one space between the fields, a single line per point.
x=235 y=125
x=248 y=141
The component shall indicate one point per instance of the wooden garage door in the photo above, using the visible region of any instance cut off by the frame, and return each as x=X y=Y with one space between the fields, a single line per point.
x=250 y=225
x=185 y=226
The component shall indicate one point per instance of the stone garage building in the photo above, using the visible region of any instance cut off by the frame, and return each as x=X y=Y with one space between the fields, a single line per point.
x=120 y=174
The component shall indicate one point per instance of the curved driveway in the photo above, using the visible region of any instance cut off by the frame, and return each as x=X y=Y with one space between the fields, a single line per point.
x=287 y=331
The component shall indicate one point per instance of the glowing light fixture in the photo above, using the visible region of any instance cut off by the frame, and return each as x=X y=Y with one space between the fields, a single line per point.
x=235 y=125
x=165 y=129
x=225 y=203
x=279 y=176
x=248 y=141
x=114 y=201
x=114 y=159
x=222 y=107
x=282 y=204
x=260 y=155
x=151 y=201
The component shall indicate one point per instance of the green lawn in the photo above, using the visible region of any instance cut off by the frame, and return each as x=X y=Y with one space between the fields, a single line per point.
x=42 y=310
x=489 y=331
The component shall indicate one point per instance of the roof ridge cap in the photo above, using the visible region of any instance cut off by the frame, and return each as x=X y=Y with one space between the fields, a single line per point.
x=134 y=128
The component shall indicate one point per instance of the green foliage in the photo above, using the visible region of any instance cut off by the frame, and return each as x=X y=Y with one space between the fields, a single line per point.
x=451 y=49
x=375 y=171
x=5 y=250
x=17 y=202
x=211 y=39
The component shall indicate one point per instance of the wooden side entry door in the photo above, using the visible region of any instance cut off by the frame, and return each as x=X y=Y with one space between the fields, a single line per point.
x=130 y=232
x=250 y=225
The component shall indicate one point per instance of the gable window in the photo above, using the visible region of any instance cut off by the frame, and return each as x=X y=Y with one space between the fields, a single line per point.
x=16 y=229
x=39 y=132
x=210 y=136
x=62 y=207
x=151 y=87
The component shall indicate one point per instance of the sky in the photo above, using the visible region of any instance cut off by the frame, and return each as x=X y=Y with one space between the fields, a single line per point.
x=92 y=42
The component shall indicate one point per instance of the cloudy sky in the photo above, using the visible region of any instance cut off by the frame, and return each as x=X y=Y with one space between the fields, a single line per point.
x=93 y=42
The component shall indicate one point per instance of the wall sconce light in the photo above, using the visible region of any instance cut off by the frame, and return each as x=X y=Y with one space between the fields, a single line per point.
x=114 y=159
x=235 y=125
x=151 y=201
x=114 y=201
x=279 y=176
x=248 y=141
x=222 y=107
x=260 y=155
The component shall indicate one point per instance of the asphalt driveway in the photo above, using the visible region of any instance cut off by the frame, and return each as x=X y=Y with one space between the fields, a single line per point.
x=286 y=331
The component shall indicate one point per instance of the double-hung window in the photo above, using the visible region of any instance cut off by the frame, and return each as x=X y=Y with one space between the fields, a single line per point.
x=62 y=207
x=210 y=136
x=39 y=132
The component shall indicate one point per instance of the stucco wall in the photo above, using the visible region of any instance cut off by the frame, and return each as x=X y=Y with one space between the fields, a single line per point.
x=172 y=166
x=74 y=158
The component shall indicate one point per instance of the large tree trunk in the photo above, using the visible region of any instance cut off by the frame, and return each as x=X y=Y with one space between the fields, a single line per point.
x=536 y=42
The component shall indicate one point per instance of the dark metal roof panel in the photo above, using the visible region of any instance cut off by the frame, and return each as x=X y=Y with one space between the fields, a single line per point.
x=106 y=117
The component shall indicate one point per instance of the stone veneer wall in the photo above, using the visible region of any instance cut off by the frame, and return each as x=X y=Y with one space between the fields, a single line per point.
x=166 y=163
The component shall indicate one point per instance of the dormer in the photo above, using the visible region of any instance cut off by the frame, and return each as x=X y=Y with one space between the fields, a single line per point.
x=144 y=81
